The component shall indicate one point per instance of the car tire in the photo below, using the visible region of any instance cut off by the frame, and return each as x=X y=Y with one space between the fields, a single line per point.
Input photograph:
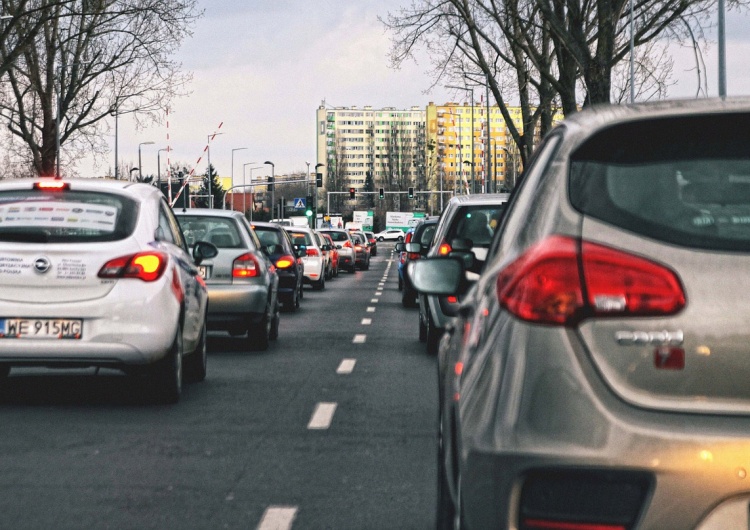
x=433 y=335
x=422 y=330
x=446 y=510
x=381 y=239
x=258 y=334
x=166 y=376
x=400 y=238
x=196 y=363
x=400 y=284
x=275 y=320
x=320 y=284
x=4 y=370
x=408 y=298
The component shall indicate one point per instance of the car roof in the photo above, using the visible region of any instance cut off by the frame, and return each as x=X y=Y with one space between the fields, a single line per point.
x=136 y=190
x=479 y=198
x=207 y=212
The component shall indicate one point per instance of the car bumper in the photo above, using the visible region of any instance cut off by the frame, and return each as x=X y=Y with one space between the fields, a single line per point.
x=116 y=330
x=234 y=304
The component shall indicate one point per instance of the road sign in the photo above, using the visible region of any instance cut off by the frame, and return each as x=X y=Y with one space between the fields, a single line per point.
x=300 y=203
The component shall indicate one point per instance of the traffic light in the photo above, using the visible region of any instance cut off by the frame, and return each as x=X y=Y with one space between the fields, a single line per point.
x=310 y=210
x=352 y=193
x=319 y=180
x=411 y=192
x=381 y=191
x=270 y=183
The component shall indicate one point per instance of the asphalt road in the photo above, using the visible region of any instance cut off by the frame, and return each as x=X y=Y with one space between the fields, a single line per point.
x=333 y=427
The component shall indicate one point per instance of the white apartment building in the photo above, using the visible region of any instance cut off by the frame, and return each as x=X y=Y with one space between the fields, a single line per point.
x=386 y=143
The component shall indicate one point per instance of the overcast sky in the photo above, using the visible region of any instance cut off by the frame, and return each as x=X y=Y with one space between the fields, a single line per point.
x=261 y=68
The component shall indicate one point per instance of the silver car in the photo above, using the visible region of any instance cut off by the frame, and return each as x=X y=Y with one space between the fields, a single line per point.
x=345 y=246
x=467 y=224
x=242 y=281
x=313 y=258
x=97 y=273
x=602 y=379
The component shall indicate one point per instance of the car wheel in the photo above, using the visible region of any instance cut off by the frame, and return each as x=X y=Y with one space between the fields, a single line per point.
x=301 y=291
x=408 y=298
x=400 y=238
x=258 y=334
x=4 y=370
x=433 y=335
x=320 y=284
x=422 y=330
x=167 y=374
x=446 y=509
x=400 y=284
x=274 y=333
x=381 y=239
x=195 y=363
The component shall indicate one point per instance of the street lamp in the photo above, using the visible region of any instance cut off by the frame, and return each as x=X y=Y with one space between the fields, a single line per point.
x=233 y=150
x=208 y=171
x=273 y=186
x=471 y=91
x=140 y=173
x=244 y=183
x=131 y=173
x=158 y=167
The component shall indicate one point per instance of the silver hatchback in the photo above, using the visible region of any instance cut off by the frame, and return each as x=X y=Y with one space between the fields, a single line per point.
x=242 y=281
x=602 y=378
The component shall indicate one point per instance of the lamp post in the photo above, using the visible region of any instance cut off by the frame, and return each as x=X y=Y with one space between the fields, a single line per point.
x=208 y=171
x=471 y=91
x=273 y=186
x=158 y=167
x=252 y=206
x=140 y=173
x=233 y=150
x=244 y=183
x=131 y=173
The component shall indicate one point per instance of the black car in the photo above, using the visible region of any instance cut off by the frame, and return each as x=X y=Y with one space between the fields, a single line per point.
x=278 y=245
x=419 y=244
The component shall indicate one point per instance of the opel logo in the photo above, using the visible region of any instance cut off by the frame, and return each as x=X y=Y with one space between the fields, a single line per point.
x=42 y=265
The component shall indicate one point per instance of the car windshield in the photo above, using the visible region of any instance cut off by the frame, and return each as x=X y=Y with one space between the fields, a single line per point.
x=477 y=222
x=301 y=238
x=65 y=216
x=222 y=232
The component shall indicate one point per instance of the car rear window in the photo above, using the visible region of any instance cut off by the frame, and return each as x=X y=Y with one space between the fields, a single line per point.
x=477 y=222
x=301 y=238
x=338 y=236
x=683 y=180
x=65 y=216
x=222 y=232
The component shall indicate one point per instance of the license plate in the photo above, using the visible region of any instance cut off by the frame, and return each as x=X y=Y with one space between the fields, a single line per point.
x=40 y=328
x=204 y=271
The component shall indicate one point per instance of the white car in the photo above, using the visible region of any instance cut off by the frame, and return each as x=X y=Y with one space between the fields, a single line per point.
x=392 y=234
x=313 y=259
x=97 y=273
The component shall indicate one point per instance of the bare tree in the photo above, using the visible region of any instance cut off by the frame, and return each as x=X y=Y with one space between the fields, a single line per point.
x=92 y=59
x=545 y=54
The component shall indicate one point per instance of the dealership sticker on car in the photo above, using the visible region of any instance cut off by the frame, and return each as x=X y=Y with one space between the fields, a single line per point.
x=40 y=328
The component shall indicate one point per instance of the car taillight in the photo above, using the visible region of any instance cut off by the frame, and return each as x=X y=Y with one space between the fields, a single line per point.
x=357 y=247
x=444 y=249
x=414 y=255
x=147 y=266
x=51 y=185
x=562 y=281
x=312 y=252
x=348 y=244
x=284 y=262
x=245 y=266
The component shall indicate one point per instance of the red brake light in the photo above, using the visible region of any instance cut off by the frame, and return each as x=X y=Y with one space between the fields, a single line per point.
x=312 y=252
x=444 y=249
x=348 y=244
x=546 y=284
x=414 y=255
x=51 y=185
x=146 y=266
x=284 y=262
x=245 y=266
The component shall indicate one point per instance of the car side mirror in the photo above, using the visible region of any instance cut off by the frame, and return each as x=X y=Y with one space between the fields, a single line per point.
x=441 y=276
x=300 y=250
x=204 y=250
x=400 y=246
x=413 y=247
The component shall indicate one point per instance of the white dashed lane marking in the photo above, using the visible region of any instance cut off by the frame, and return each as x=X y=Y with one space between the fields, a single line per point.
x=366 y=321
x=359 y=339
x=278 y=518
x=322 y=416
x=346 y=366
x=370 y=309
